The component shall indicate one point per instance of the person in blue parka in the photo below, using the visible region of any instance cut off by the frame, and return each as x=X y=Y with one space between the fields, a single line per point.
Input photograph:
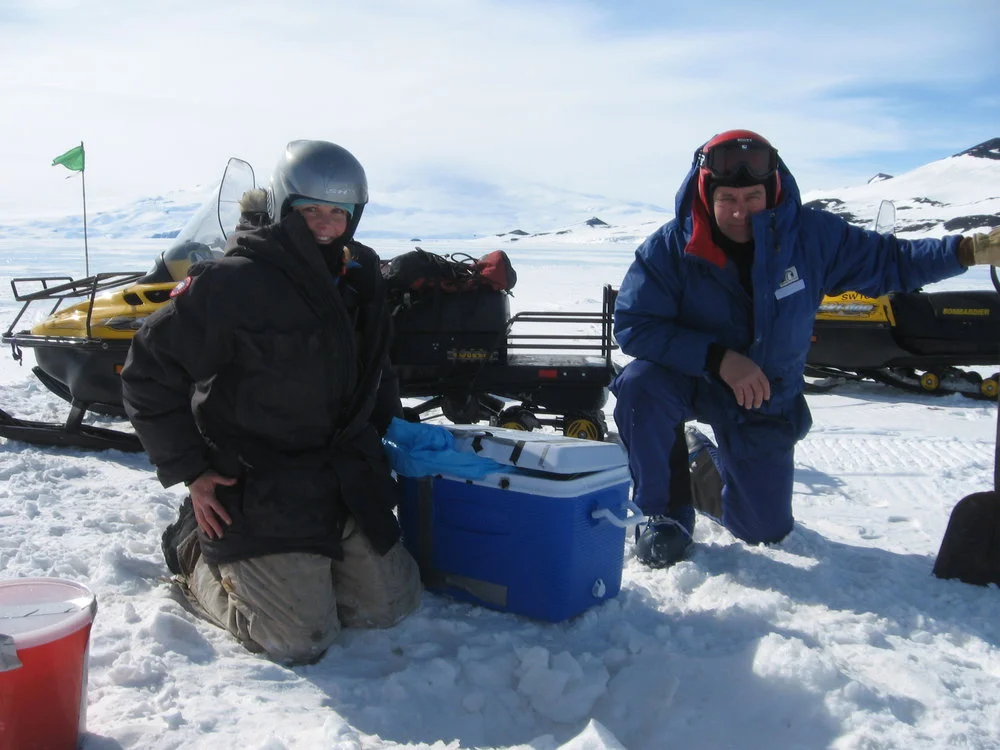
x=717 y=310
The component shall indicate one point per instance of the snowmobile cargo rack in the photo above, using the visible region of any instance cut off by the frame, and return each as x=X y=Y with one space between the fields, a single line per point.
x=69 y=288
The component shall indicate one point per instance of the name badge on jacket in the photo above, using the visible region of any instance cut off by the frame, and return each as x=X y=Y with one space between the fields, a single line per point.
x=790 y=284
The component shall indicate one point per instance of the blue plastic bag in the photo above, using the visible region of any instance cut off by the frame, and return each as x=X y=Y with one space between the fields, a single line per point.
x=416 y=449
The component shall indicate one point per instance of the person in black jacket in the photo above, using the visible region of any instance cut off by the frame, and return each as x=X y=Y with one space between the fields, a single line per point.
x=264 y=386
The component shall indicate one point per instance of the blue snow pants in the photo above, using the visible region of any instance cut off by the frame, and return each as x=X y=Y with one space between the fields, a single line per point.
x=653 y=402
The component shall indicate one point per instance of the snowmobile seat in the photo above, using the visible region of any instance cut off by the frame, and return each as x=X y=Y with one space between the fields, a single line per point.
x=158 y=274
x=961 y=323
x=173 y=264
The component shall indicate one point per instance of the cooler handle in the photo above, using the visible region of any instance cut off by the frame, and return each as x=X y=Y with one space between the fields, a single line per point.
x=606 y=514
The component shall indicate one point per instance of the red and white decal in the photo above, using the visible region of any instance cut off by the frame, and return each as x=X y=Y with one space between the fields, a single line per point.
x=182 y=286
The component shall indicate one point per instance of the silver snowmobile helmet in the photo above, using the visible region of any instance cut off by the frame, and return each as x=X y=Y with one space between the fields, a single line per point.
x=321 y=171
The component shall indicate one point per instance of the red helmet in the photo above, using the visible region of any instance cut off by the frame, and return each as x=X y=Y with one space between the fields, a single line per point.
x=734 y=135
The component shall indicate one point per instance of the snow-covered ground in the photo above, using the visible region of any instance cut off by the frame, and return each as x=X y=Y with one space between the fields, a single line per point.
x=838 y=637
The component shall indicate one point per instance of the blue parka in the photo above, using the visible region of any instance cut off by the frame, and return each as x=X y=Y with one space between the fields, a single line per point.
x=681 y=293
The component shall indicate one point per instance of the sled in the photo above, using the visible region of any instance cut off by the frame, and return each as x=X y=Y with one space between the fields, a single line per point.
x=465 y=355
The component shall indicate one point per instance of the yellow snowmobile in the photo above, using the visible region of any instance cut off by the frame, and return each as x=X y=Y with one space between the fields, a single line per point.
x=917 y=341
x=80 y=348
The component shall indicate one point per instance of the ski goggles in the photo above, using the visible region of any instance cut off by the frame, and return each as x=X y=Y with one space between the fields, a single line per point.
x=727 y=160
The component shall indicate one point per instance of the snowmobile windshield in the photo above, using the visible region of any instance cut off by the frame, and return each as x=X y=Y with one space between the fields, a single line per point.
x=218 y=216
x=204 y=235
x=205 y=225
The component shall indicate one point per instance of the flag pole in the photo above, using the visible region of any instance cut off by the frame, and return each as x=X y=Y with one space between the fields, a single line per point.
x=75 y=160
x=83 y=184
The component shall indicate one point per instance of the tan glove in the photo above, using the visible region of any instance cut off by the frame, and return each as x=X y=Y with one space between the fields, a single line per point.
x=980 y=249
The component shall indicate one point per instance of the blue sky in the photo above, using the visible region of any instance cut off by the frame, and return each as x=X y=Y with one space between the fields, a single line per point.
x=595 y=97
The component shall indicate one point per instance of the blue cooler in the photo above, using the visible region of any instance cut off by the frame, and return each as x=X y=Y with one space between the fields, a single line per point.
x=545 y=539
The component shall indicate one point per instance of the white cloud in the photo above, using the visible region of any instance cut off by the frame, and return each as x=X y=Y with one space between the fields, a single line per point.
x=503 y=92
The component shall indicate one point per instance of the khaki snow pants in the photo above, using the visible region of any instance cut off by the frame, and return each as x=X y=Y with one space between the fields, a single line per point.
x=293 y=605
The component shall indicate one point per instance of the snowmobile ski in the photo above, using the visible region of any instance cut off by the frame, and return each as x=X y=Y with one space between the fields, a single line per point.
x=73 y=434
x=938 y=381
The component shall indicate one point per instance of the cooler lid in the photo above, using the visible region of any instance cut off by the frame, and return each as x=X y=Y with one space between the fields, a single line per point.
x=38 y=610
x=538 y=451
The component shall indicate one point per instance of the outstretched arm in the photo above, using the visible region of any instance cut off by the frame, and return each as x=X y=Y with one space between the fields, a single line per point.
x=862 y=261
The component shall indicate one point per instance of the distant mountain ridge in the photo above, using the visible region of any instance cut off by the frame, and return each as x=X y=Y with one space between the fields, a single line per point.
x=956 y=194
x=986 y=150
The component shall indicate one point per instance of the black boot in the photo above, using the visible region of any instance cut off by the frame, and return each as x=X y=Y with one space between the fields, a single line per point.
x=178 y=535
x=666 y=539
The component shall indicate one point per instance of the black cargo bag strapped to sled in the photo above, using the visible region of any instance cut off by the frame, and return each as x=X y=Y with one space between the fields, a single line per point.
x=448 y=310
x=421 y=271
x=970 y=550
x=450 y=330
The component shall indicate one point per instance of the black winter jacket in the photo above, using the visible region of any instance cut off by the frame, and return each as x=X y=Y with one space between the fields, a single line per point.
x=269 y=367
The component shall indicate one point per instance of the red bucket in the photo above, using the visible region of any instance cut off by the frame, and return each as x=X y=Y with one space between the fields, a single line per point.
x=44 y=645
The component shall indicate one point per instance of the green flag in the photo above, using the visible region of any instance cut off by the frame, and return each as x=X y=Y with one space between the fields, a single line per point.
x=72 y=159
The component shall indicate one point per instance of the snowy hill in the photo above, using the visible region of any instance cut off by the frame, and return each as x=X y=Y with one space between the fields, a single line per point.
x=960 y=193
x=148 y=218
x=954 y=195
x=467 y=210
x=455 y=209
